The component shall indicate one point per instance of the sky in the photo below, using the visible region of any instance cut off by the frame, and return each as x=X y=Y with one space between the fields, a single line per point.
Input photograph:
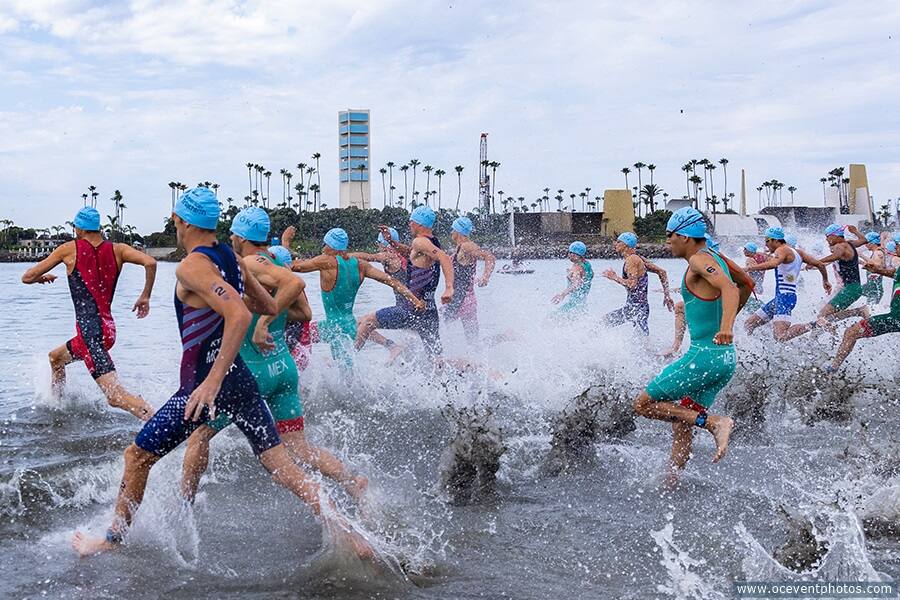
x=130 y=95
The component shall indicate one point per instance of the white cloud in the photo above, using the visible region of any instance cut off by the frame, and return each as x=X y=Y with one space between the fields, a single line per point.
x=133 y=96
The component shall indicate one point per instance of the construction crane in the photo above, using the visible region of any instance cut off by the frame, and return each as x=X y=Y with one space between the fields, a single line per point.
x=484 y=180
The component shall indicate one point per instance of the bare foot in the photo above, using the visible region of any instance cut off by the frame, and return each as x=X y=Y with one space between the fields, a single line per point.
x=356 y=487
x=721 y=428
x=344 y=535
x=395 y=351
x=86 y=545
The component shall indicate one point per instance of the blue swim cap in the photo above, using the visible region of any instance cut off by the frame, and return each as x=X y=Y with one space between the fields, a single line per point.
x=282 y=254
x=711 y=243
x=629 y=239
x=394 y=236
x=790 y=239
x=891 y=246
x=774 y=233
x=835 y=229
x=897 y=238
x=688 y=222
x=424 y=216
x=252 y=224
x=88 y=219
x=337 y=239
x=199 y=207
x=873 y=238
x=463 y=226
x=751 y=247
x=578 y=248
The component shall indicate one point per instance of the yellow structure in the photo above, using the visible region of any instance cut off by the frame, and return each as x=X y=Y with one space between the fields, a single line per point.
x=618 y=212
x=859 y=184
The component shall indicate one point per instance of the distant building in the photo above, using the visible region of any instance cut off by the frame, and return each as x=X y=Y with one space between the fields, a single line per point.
x=37 y=248
x=354 y=156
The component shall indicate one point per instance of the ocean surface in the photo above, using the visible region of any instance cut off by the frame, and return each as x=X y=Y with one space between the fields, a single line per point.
x=604 y=529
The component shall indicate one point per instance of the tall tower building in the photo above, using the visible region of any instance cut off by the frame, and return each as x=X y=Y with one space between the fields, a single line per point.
x=354 y=148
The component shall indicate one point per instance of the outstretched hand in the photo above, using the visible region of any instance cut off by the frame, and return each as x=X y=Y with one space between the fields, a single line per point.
x=609 y=274
x=47 y=278
x=262 y=339
x=141 y=307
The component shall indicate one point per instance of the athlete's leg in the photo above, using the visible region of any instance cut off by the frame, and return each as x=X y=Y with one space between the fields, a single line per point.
x=682 y=442
x=323 y=461
x=851 y=335
x=59 y=358
x=118 y=397
x=752 y=322
x=196 y=460
x=469 y=320
x=616 y=317
x=780 y=330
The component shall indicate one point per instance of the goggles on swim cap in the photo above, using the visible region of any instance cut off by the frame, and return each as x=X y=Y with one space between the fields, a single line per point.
x=774 y=233
x=688 y=222
x=711 y=243
x=337 y=239
x=835 y=229
x=252 y=224
x=629 y=239
x=578 y=248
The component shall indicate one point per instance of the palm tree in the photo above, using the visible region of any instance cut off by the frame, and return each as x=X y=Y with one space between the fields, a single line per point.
x=759 y=196
x=687 y=177
x=414 y=163
x=493 y=165
x=582 y=195
x=84 y=198
x=267 y=175
x=559 y=200
x=727 y=199
x=626 y=171
x=383 y=172
x=283 y=172
x=724 y=163
x=94 y=194
x=427 y=169
x=440 y=175
x=639 y=166
x=792 y=189
x=651 y=168
x=250 y=176
x=315 y=193
x=587 y=192
x=824 y=199
x=300 y=194
x=390 y=166
x=649 y=193
x=695 y=180
x=459 y=170
x=362 y=195
x=404 y=169
x=316 y=156
x=711 y=166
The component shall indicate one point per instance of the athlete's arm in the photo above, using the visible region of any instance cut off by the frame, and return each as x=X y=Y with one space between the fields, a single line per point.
x=300 y=310
x=317 y=263
x=287 y=287
x=257 y=298
x=777 y=259
x=490 y=261
x=885 y=271
x=197 y=275
x=424 y=246
x=709 y=269
x=838 y=254
x=575 y=281
x=39 y=273
x=663 y=280
x=860 y=238
x=382 y=277
x=136 y=257
x=680 y=327
x=378 y=257
x=632 y=268
x=401 y=248
x=288 y=236
x=818 y=264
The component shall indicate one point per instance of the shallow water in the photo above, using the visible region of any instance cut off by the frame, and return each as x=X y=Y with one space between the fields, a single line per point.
x=610 y=531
